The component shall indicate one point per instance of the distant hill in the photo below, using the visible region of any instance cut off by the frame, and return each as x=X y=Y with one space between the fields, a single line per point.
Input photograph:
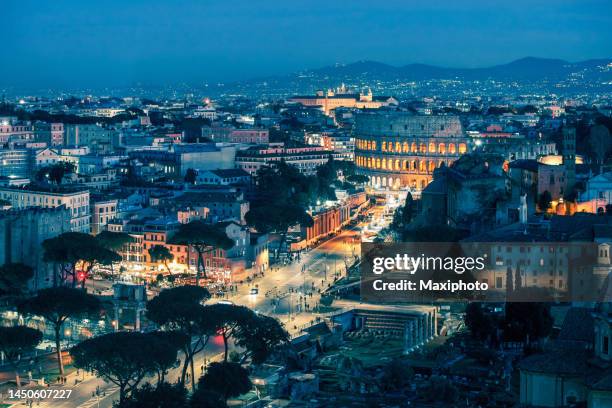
x=529 y=68
x=529 y=74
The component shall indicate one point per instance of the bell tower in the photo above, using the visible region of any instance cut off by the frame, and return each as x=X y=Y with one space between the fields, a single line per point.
x=569 y=157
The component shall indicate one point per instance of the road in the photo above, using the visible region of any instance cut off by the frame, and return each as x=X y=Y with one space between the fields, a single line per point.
x=288 y=283
x=286 y=287
x=84 y=393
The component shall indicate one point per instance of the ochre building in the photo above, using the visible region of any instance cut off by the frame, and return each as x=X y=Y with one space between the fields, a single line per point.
x=342 y=98
x=401 y=149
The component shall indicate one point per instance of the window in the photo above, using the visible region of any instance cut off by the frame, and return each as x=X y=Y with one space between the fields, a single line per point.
x=605 y=344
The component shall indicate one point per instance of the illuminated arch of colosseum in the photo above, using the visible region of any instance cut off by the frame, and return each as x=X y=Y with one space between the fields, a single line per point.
x=399 y=149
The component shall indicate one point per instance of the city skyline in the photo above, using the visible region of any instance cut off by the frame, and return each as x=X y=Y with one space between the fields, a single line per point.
x=306 y=204
x=115 y=44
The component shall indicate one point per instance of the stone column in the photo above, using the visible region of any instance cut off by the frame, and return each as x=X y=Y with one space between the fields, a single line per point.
x=423 y=329
x=137 y=321
x=116 y=321
x=430 y=325
x=409 y=336
x=434 y=323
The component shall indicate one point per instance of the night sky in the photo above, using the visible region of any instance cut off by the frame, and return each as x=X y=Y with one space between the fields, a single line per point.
x=58 y=43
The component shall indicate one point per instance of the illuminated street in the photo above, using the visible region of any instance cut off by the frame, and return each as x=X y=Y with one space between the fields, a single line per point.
x=331 y=255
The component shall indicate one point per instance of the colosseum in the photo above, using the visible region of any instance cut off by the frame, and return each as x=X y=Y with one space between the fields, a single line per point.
x=401 y=149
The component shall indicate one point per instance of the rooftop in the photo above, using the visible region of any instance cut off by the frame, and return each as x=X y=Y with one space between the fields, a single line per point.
x=226 y=173
x=525 y=164
x=577 y=326
x=55 y=190
x=208 y=197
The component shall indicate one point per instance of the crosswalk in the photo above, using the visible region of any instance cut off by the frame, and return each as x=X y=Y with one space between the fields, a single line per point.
x=93 y=402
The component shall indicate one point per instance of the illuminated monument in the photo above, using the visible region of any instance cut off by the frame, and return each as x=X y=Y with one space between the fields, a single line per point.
x=342 y=97
x=401 y=149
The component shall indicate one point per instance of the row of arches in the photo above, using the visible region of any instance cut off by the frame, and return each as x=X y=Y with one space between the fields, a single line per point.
x=396 y=183
x=413 y=147
x=420 y=166
x=365 y=144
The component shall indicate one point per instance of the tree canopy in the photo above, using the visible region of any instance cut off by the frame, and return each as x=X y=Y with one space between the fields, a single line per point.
x=396 y=375
x=55 y=173
x=283 y=194
x=600 y=143
x=259 y=336
x=207 y=399
x=14 y=278
x=203 y=238
x=163 y=395
x=544 y=201
x=479 y=321
x=434 y=233
x=123 y=358
x=72 y=249
x=113 y=241
x=227 y=379
x=58 y=304
x=16 y=341
x=190 y=176
x=278 y=217
x=181 y=310
x=226 y=319
x=161 y=253
x=527 y=321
